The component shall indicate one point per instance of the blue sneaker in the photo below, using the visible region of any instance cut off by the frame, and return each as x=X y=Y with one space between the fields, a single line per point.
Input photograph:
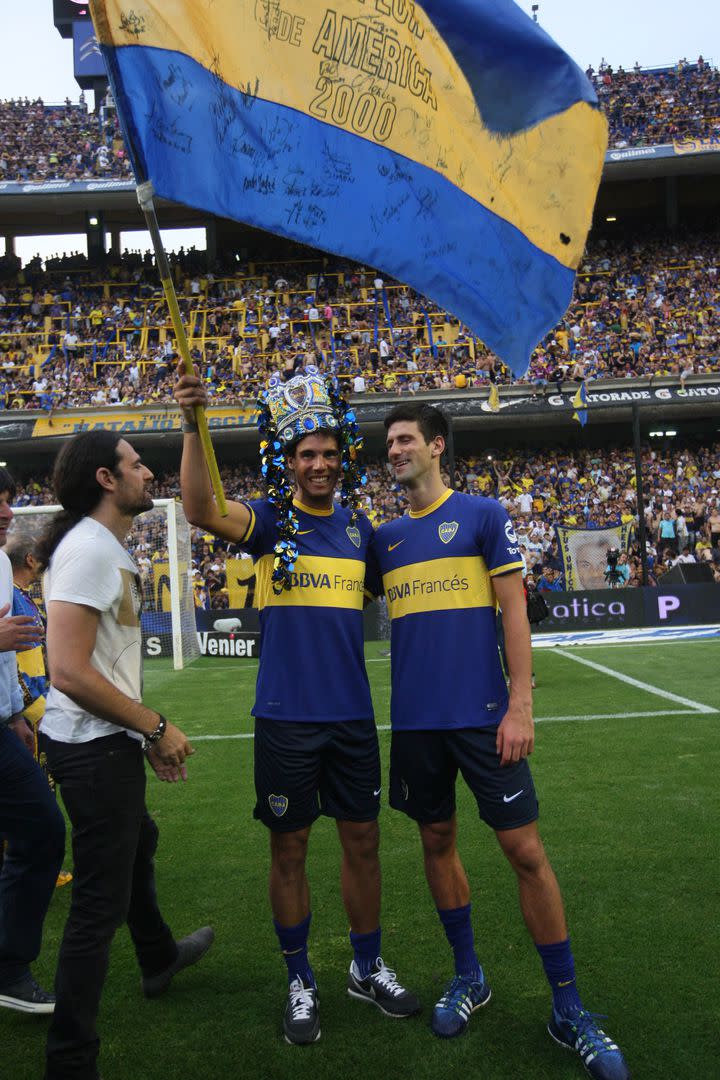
x=579 y=1031
x=462 y=997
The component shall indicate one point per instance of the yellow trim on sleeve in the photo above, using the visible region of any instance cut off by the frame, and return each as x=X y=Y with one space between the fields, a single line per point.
x=505 y=569
x=251 y=526
x=433 y=506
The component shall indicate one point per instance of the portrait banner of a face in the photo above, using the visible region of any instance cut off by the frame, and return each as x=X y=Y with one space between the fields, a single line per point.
x=584 y=553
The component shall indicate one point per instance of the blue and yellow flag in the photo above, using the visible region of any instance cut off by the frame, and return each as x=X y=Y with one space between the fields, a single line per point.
x=579 y=403
x=451 y=144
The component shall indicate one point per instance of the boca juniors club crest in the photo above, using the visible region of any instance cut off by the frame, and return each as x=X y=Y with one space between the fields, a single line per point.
x=447 y=530
x=278 y=804
x=354 y=535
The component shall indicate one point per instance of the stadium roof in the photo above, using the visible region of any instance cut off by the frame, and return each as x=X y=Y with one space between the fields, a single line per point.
x=61 y=206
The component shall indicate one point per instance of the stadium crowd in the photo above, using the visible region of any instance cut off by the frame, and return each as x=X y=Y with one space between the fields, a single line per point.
x=652 y=107
x=95 y=337
x=540 y=489
x=41 y=142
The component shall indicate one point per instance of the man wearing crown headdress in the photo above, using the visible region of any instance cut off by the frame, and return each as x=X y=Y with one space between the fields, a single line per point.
x=316 y=749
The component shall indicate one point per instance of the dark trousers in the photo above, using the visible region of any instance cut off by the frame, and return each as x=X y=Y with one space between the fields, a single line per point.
x=114 y=839
x=34 y=828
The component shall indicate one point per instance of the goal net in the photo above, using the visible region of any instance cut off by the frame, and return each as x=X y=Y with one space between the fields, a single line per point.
x=160 y=545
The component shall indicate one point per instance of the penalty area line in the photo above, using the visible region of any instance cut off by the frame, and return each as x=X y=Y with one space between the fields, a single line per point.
x=695 y=706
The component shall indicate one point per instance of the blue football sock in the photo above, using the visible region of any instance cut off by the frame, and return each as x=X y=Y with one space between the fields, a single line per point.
x=293 y=942
x=459 y=932
x=560 y=971
x=367 y=949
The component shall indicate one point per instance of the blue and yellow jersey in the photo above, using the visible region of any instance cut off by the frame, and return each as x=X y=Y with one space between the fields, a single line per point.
x=31 y=662
x=437 y=567
x=312 y=664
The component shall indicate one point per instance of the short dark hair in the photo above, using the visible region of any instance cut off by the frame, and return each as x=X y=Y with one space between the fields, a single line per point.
x=431 y=420
x=7 y=484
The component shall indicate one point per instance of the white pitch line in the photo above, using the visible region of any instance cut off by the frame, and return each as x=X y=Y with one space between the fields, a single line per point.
x=618 y=715
x=696 y=706
x=538 y=720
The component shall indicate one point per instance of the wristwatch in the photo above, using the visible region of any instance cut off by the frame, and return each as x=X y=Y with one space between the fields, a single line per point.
x=155 y=736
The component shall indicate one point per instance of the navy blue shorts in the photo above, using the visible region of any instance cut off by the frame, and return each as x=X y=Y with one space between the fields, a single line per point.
x=424 y=767
x=304 y=770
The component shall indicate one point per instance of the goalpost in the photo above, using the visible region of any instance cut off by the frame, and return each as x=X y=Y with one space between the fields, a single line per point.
x=161 y=546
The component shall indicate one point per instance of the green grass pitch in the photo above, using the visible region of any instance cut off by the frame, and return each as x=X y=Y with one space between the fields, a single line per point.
x=627 y=776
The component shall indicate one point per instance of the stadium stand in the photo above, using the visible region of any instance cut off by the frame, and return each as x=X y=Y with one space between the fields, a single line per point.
x=663 y=105
x=41 y=142
x=67 y=142
x=71 y=336
x=592 y=488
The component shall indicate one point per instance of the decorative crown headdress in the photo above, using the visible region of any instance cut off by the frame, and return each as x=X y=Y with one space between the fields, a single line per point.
x=301 y=406
x=290 y=411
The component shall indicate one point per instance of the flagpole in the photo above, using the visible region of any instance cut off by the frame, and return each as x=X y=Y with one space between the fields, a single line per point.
x=145 y=199
x=450 y=448
x=642 y=531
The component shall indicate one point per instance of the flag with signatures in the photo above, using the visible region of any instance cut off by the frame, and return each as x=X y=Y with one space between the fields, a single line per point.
x=451 y=144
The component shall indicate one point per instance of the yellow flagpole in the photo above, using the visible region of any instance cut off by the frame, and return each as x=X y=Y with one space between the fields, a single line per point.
x=145 y=199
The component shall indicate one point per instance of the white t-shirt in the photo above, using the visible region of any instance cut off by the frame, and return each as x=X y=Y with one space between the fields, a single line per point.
x=91 y=567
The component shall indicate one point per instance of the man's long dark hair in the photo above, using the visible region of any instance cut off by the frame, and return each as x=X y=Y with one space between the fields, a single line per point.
x=75 y=484
x=7 y=484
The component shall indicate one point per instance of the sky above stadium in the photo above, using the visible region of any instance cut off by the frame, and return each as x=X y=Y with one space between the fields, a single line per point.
x=36 y=61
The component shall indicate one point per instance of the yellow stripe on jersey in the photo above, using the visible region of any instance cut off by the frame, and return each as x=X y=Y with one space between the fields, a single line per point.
x=316 y=582
x=31 y=662
x=35 y=711
x=438 y=585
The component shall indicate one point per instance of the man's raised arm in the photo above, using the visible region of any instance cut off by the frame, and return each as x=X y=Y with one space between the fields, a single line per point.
x=195 y=487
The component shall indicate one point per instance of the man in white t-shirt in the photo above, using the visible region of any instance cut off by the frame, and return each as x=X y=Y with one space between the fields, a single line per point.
x=96 y=730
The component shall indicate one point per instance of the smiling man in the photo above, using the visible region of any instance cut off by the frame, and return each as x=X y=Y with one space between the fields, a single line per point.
x=316 y=748
x=445 y=566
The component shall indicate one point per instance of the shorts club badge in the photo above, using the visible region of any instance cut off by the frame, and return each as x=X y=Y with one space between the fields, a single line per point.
x=278 y=804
